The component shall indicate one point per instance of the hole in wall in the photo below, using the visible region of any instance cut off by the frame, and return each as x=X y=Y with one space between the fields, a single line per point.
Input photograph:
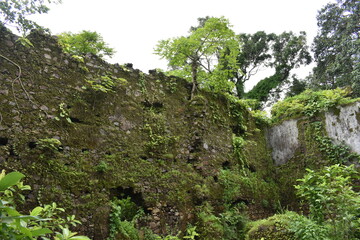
x=216 y=179
x=155 y=106
x=136 y=197
x=3 y=141
x=32 y=145
x=12 y=151
x=225 y=165
x=75 y=120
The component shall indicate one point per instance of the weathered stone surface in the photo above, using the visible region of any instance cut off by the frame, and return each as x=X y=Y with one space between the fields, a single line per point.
x=283 y=139
x=343 y=126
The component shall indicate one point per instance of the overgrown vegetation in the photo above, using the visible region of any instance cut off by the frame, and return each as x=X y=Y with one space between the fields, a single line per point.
x=42 y=222
x=333 y=209
x=309 y=103
x=15 y=12
x=85 y=42
x=189 y=161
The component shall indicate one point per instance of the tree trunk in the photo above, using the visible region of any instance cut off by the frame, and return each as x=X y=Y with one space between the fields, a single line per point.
x=194 y=67
x=239 y=84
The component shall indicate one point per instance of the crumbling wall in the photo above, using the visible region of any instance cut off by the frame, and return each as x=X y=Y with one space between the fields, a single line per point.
x=283 y=140
x=140 y=137
x=343 y=125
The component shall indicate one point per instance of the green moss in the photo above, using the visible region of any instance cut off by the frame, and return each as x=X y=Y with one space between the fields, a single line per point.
x=272 y=228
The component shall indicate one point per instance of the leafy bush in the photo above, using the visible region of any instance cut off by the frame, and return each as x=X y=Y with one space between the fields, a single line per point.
x=306 y=228
x=331 y=199
x=123 y=219
x=51 y=144
x=42 y=222
x=309 y=103
x=83 y=43
x=274 y=227
x=104 y=83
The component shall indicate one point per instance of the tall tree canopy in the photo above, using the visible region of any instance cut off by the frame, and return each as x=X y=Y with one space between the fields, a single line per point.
x=207 y=55
x=255 y=54
x=15 y=13
x=337 y=46
x=289 y=51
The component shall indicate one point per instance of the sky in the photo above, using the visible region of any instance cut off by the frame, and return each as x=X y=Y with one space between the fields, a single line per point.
x=134 y=27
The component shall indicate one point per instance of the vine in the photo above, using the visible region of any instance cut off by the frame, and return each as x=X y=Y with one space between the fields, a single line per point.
x=335 y=153
x=18 y=78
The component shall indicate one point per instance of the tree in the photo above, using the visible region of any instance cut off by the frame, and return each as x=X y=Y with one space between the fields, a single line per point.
x=337 y=46
x=85 y=42
x=203 y=54
x=289 y=51
x=15 y=13
x=255 y=53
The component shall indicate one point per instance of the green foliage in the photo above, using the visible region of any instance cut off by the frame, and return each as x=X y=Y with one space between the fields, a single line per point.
x=297 y=86
x=102 y=167
x=234 y=222
x=306 y=228
x=275 y=227
x=123 y=217
x=254 y=55
x=262 y=89
x=335 y=153
x=25 y=42
x=337 y=46
x=85 y=42
x=238 y=146
x=209 y=225
x=289 y=51
x=49 y=144
x=63 y=113
x=283 y=52
x=160 y=140
x=310 y=103
x=104 y=83
x=331 y=199
x=16 y=13
x=261 y=117
x=228 y=225
x=190 y=234
x=237 y=109
x=42 y=222
x=207 y=55
x=245 y=185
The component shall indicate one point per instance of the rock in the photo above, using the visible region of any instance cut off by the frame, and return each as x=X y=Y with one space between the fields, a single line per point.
x=47 y=56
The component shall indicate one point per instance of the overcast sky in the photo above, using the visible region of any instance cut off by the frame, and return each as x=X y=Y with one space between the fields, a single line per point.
x=133 y=27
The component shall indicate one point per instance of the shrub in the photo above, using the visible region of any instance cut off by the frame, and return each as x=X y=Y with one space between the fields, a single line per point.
x=309 y=103
x=331 y=199
x=42 y=222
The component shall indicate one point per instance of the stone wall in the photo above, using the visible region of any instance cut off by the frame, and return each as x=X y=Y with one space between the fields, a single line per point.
x=141 y=138
x=342 y=125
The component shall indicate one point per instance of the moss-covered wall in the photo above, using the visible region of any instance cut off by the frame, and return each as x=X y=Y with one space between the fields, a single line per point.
x=141 y=137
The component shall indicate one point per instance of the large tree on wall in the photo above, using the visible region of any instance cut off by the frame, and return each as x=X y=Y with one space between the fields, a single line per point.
x=201 y=55
x=337 y=46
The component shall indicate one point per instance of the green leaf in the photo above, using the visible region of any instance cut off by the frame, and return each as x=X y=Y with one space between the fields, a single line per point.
x=40 y=232
x=36 y=211
x=10 y=180
x=80 y=238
